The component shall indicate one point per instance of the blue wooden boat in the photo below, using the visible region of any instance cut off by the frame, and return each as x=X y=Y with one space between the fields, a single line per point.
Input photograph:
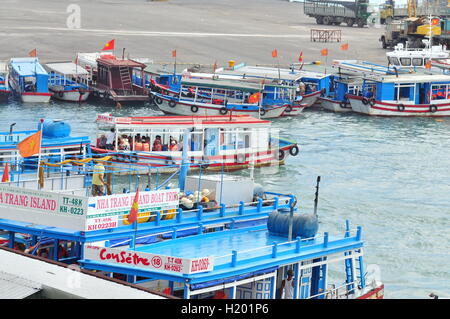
x=4 y=87
x=29 y=80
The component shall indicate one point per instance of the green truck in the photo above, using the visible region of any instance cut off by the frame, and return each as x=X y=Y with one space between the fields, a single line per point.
x=337 y=12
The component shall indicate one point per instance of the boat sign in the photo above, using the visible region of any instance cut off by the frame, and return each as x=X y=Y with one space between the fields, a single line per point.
x=105 y=211
x=43 y=207
x=148 y=260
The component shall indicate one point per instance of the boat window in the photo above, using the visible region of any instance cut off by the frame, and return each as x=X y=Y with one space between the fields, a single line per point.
x=405 y=91
x=440 y=92
x=405 y=61
x=417 y=61
x=393 y=60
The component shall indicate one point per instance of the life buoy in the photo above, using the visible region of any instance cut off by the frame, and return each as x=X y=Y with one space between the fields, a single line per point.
x=401 y=107
x=194 y=108
x=281 y=155
x=223 y=111
x=294 y=150
x=262 y=111
x=172 y=103
x=288 y=109
x=158 y=100
x=365 y=101
x=433 y=108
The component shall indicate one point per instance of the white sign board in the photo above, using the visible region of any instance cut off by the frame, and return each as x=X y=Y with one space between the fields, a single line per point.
x=43 y=207
x=107 y=211
x=148 y=261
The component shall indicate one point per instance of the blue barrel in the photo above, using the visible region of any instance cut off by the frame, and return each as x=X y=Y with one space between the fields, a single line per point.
x=54 y=129
x=303 y=225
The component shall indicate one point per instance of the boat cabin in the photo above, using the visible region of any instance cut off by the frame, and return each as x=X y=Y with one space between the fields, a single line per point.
x=114 y=79
x=409 y=89
x=68 y=75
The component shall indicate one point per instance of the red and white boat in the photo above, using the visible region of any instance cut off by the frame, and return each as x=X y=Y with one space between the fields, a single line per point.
x=404 y=95
x=232 y=141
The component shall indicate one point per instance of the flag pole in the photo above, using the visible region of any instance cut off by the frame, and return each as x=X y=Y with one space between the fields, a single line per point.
x=39 y=154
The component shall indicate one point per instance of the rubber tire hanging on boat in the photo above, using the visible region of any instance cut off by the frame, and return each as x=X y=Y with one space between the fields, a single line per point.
x=223 y=111
x=281 y=155
x=288 y=109
x=294 y=150
x=240 y=158
x=433 y=108
x=262 y=112
x=401 y=107
x=343 y=105
x=172 y=103
x=365 y=101
x=372 y=102
x=158 y=100
x=194 y=108
x=60 y=94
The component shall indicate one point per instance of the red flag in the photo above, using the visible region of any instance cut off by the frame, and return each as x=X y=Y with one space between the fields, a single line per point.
x=300 y=58
x=5 y=177
x=33 y=53
x=76 y=60
x=274 y=53
x=133 y=216
x=324 y=52
x=174 y=53
x=30 y=146
x=428 y=65
x=344 y=47
x=109 y=46
x=215 y=66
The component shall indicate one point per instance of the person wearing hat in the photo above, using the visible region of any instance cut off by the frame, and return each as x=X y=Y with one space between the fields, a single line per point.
x=287 y=285
x=98 y=179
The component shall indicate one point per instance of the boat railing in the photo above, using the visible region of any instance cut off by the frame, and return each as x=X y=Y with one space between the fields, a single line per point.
x=14 y=137
x=294 y=246
x=341 y=292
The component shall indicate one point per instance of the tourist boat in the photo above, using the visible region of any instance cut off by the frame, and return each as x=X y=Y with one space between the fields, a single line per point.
x=112 y=77
x=336 y=99
x=68 y=81
x=29 y=80
x=4 y=87
x=220 y=97
x=229 y=142
x=316 y=83
x=404 y=95
x=56 y=145
x=416 y=58
x=235 y=244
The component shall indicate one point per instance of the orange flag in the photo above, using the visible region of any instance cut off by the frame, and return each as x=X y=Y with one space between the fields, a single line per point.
x=5 y=177
x=31 y=145
x=428 y=65
x=33 y=53
x=133 y=216
x=324 y=52
x=300 y=58
x=109 y=46
x=254 y=98
x=344 y=47
x=174 y=53
x=274 y=53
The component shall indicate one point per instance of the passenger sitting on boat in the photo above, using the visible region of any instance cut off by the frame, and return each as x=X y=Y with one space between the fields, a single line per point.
x=110 y=138
x=123 y=144
x=146 y=144
x=137 y=143
x=173 y=146
x=369 y=93
x=301 y=88
x=157 y=146
x=101 y=142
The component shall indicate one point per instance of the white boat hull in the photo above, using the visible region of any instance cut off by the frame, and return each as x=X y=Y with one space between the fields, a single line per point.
x=377 y=108
x=201 y=109
x=310 y=99
x=71 y=96
x=335 y=106
x=35 y=97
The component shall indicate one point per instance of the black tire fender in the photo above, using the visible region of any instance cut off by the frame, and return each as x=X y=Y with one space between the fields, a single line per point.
x=294 y=150
x=400 y=107
x=223 y=111
x=194 y=108
x=172 y=103
x=433 y=108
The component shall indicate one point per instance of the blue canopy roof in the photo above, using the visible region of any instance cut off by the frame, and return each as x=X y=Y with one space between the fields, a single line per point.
x=27 y=66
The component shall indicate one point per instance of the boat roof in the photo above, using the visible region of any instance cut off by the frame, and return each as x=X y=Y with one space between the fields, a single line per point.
x=223 y=84
x=162 y=69
x=67 y=68
x=413 y=78
x=27 y=66
x=183 y=121
x=113 y=61
x=271 y=72
x=235 y=77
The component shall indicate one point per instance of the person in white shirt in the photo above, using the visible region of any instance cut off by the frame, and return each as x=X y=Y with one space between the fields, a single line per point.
x=287 y=285
x=110 y=139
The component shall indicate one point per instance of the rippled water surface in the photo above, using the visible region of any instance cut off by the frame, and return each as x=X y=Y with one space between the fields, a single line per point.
x=389 y=175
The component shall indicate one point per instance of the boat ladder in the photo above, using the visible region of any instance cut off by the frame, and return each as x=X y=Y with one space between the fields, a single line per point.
x=125 y=77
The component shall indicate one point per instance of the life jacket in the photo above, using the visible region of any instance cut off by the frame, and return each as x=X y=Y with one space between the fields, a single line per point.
x=145 y=147
x=138 y=146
